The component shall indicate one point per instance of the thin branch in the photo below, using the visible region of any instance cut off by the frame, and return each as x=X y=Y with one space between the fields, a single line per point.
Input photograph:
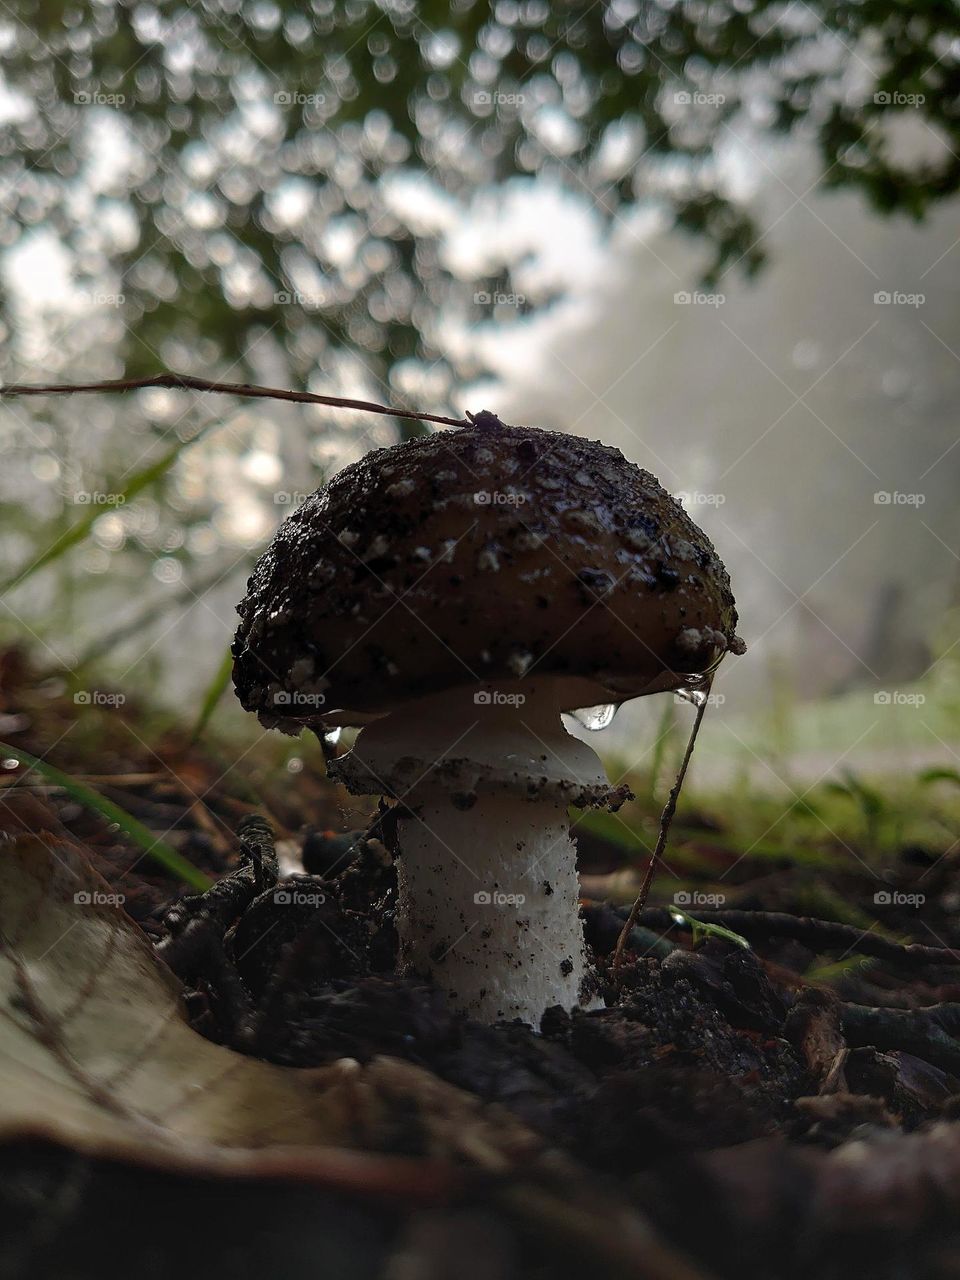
x=184 y=382
x=666 y=818
x=818 y=935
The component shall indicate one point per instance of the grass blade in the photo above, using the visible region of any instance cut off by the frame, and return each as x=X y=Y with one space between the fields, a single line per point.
x=151 y=845
x=214 y=692
x=80 y=531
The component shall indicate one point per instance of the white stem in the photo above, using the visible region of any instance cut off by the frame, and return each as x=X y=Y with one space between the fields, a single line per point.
x=488 y=905
x=488 y=886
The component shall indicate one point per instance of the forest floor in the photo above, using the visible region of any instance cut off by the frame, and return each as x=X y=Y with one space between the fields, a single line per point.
x=783 y=1102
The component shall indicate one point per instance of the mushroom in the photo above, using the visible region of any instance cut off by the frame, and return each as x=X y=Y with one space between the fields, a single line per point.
x=452 y=596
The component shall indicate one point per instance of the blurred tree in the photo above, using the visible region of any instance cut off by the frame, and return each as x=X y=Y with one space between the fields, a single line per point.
x=228 y=163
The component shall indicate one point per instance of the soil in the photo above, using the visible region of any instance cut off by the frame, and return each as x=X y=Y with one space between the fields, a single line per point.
x=768 y=1124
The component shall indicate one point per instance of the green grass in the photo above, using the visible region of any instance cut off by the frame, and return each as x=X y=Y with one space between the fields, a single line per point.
x=152 y=846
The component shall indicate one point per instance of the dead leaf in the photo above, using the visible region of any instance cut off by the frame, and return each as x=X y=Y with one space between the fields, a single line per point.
x=96 y=1054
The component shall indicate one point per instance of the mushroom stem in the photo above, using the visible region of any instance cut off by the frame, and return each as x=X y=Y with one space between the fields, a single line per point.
x=488 y=893
x=500 y=932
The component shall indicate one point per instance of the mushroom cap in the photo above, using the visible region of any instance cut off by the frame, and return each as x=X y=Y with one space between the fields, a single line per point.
x=473 y=556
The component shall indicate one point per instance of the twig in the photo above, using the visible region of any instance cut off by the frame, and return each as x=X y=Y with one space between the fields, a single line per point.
x=665 y=820
x=819 y=935
x=184 y=382
x=928 y=1033
x=257 y=844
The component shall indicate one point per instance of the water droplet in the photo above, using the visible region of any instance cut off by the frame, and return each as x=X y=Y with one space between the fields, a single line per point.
x=333 y=736
x=696 y=689
x=595 y=718
x=697 y=696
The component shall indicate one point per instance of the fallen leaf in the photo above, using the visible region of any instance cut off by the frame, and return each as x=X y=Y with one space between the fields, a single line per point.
x=95 y=1053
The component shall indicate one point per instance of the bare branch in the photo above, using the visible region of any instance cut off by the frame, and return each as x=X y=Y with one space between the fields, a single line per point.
x=184 y=382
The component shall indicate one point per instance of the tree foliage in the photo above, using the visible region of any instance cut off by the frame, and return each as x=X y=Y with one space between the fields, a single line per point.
x=250 y=143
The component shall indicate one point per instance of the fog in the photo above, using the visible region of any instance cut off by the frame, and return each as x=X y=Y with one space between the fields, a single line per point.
x=811 y=427
x=780 y=407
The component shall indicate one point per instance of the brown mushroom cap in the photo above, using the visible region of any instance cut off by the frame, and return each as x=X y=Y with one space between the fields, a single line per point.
x=480 y=555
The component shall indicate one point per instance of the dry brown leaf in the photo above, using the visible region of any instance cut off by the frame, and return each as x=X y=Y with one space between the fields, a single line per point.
x=96 y=1054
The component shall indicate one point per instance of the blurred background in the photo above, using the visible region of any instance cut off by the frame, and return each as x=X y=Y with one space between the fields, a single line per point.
x=721 y=236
